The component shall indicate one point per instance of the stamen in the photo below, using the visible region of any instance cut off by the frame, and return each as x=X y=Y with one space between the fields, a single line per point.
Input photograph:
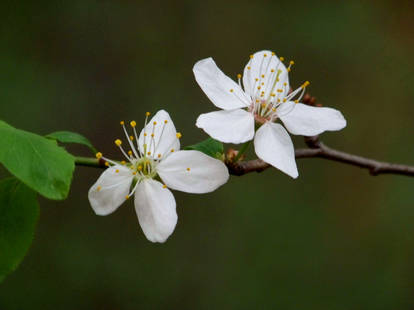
x=162 y=132
x=129 y=140
x=119 y=144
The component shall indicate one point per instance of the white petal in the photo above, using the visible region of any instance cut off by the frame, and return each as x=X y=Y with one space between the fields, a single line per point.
x=155 y=207
x=234 y=126
x=110 y=190
x=261 y=65
x=219 y=88
x=192 y=172
x=310 y=121
x=165 y=136
x=274 y=146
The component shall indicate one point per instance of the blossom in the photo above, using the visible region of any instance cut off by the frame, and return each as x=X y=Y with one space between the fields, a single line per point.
x=155 y=154
x=264 y=99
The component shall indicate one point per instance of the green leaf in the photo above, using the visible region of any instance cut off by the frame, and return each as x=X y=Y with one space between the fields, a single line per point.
x=71 y=137
x=36 y=161
x=210 y=147
x=19 y=211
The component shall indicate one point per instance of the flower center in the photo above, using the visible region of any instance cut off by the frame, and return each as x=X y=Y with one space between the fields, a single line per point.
x=144 y=167
x=263 y=111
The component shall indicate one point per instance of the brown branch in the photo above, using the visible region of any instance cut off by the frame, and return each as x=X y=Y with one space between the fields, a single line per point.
x=319 y=150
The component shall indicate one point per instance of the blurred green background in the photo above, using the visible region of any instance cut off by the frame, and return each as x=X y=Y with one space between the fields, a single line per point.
x=335 y=238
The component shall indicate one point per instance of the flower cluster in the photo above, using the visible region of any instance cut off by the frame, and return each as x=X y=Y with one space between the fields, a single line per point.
x=252 y=111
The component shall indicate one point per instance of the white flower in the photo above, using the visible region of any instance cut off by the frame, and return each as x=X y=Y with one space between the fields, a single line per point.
x=266 y=98
x=157 y=154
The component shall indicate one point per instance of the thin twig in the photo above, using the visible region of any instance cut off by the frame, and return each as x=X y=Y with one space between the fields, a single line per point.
x=319 y=150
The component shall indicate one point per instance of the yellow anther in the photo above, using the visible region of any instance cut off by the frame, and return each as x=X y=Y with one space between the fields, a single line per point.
x=239 y=76
x=129 y=152
x=152 y=135
x=131 y=138
x=165 y=122
x=118 y=142
x=284 y=100
x=258 y=87
x=279 y=90
x=248 y=68
x=305 y=84
x=263 y=105
x=274 y=109
x=256 y=79
x=133 y=123
x=134 y=172
x=117 y=171
x=145 y=134
x=282 y=58
x=99 y=188
x=288 y=69
x=106 y=164
x=273 y=94
x=123 y=162
x=273 y=54
x=272 y=70
x=178 y=135
x=263 y=76
x=296 y=101
x=291 y=62
x=147 y=114
x=149 y=153
x=264 y=55
x=98 y=155
x=278 y=100
x=188 y=169
x=127 y=197
x=139 y=168
x=284 y=84
x=172 y=150
x=164 y=186
x=257 y=100
x=262 y=95
x=159 y=155
x=251 y=56
x=231 y=90
x=122 y=123
x=155 y=123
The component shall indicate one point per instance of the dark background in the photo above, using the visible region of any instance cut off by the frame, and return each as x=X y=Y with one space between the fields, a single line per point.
x=335 y=238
